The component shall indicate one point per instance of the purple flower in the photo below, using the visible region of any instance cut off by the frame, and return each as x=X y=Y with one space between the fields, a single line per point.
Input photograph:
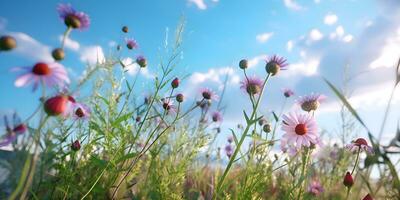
x=216 y=116
x=230 y=139
x=168 y=105
x=310 y=102
x=51 y=74
x=252 y=85
x=73 y=18
x=12 y=130
x=288 y=92
x=228 y=150
x=315 y=188
x=360 y=144
x=208 y=94
x=275 y=64
x=141 y=61
x=131 y=44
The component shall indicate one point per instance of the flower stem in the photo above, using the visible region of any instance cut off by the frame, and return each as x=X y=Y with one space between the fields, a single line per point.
x=65 y=36
x=303 y=169
x=357 y=159
x=237 y=149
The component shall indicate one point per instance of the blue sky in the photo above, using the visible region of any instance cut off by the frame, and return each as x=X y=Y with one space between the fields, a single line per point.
x=317 y=37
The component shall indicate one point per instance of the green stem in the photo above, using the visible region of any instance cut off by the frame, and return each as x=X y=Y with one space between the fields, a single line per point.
x=357 y=159
x=232 y=159
x=65 y=36
x=303 y=169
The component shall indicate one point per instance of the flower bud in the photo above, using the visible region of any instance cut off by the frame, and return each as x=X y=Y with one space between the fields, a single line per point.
x=175 y=83
x=7 y=43
x=76 y=145
x=243 y=64
x=56 y=105
x=125 y=29
x=141 y=61
x=267 y=128
x=368 y=197
x=72 y=21
x=138 y=119
x=272 y=68
x=179 y=98
x=348 y=180
x=58 y=54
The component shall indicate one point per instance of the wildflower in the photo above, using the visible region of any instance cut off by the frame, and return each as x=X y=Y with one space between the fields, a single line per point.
x=368 y=197
x=76 y=145
x=12 y=131
x=252 y=85
x=204 y=104
x=275 y=64
x=57 y=105
x=286 y=148
x=348 y=180
x=288 y=92
x=168 y=106
x=262 y=121
x=175 y=83
x=310 y=102
x=131 y=44
x=141 y=61
x=7 y=43
x=208 y=94
x=58 y=54
x=301 y=130
x=81 y=111
x=51 y=74
x=138 y=119
x=125 y=29
x=360 y=144
x=72 y=18
x=243 y=64
x=267 y=128
x=228 y=150
x=315 y=188
x=180 y=98
x=216 y=116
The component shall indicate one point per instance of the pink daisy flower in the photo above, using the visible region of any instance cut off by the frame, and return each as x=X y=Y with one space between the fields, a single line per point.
x=73 y=18
x=51 y=74
x=208 y=94
x=310 y=102
x=228 y=150
x=360 y=144
x=301 y=130
x=252 y=85
x=168 y=105
x=12 y=130
x=131 y=44
x=315 y=188
x=80 y=111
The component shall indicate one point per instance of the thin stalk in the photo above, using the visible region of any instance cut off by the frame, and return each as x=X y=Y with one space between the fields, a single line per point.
x=65 y=36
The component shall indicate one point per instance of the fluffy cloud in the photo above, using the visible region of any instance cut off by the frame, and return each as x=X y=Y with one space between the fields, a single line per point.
x=389 y=53
x=291 y=4
x=315 y=35
x=30 y=48
x=305 y=67
x=199 y=3
x=289 y=45
x=330 y=19
x=264 y=37
x=252 y=62
x=92 y=54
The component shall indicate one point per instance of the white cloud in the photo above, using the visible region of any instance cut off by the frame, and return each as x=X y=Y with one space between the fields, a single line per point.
x=3 y=23
x=264 y=37
x=132 y=68
x=330 y=19
x=339 y=32
x=69 y=43
x=92 y=54
x=199 y=3
x=291 y=4
x=348 y=38
x=216 y=75
x=255 y=60
x=30 y=48
x=317 y=1
x=289 y=45
x=389 y=53
x=315 y=35
x=306 y=67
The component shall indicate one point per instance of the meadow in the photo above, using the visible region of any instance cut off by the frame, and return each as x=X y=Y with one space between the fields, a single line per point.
x=111 y=142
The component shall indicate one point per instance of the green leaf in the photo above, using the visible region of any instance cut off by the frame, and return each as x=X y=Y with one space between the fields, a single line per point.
x=246 y=117
x=122 y=118
x=125 y=157
x=275 y=116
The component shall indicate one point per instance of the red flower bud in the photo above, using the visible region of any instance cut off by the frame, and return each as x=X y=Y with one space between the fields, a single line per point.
x=348 y=180
x=56 y=105
x=175 y=83
x=76 y=145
